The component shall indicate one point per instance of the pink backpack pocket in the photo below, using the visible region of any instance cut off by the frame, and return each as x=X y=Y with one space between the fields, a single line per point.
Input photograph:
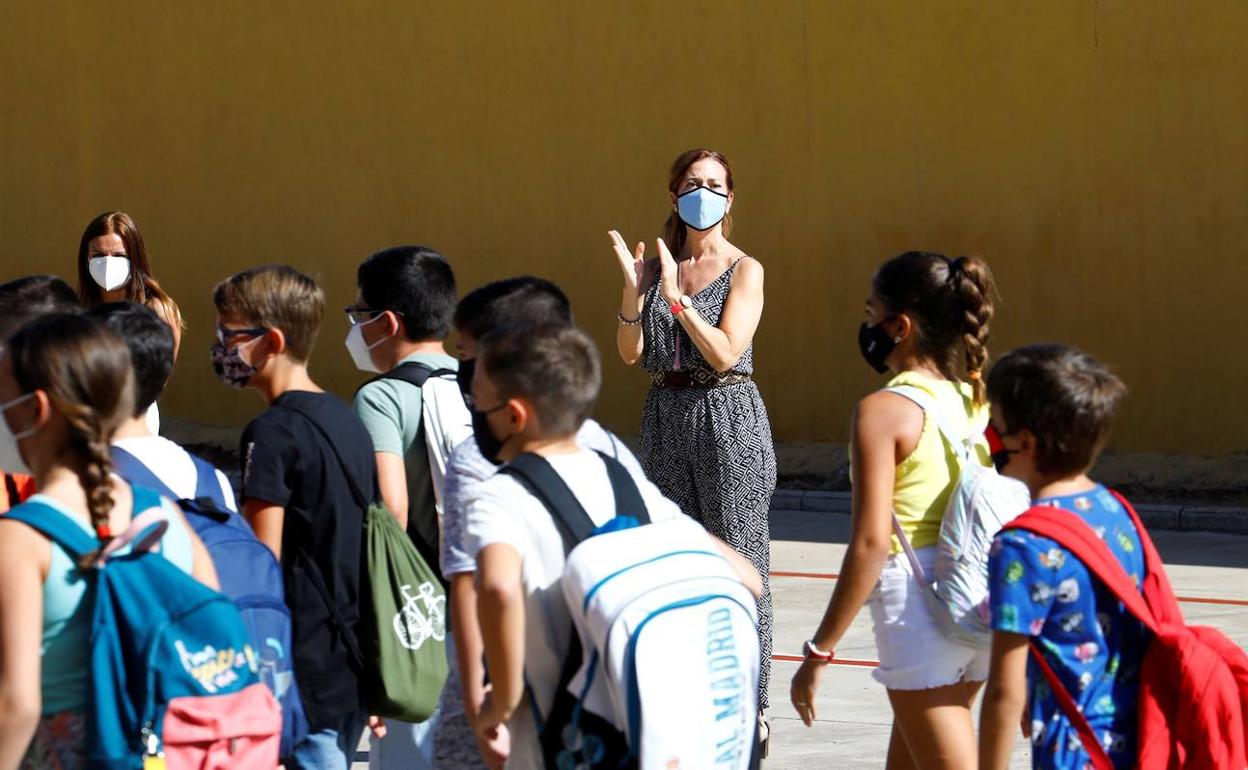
x=238 y=731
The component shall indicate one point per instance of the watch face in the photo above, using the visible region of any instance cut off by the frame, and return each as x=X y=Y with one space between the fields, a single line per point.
x=686 y=301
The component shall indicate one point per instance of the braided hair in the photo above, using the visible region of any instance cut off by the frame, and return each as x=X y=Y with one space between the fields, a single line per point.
x=951 y=303
x=84 y=369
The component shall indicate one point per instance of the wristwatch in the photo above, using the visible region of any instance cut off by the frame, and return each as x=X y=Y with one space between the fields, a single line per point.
x=684 y=303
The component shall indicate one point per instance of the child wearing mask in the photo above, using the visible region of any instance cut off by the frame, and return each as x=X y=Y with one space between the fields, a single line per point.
x=532 y=390
x=1052 y=407
x=416 y=416
x=65 y=384
x=926 y=322
x=520 y=301
x=295 y=493
x=21 y=300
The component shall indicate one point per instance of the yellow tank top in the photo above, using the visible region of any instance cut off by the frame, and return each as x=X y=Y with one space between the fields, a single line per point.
x=926 y=478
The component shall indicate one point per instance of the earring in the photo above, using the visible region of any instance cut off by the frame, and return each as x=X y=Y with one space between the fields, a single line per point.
x=897 y=340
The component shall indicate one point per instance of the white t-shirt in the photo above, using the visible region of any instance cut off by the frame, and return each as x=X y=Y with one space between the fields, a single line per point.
x=467 y=470
x=152 y=418
x=504 y=511
x=173 y=465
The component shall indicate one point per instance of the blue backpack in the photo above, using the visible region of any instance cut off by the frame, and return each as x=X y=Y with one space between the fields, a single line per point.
x=162 y=644
x=249 y=575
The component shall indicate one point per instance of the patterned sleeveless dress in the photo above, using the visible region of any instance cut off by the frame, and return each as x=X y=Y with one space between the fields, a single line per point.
x=710 y=449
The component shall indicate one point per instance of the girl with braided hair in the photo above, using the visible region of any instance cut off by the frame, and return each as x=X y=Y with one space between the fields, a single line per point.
x=927 y=321
x=65 y=386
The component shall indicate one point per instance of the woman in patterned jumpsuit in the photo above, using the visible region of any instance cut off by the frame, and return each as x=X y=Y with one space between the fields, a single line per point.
x=689 y=319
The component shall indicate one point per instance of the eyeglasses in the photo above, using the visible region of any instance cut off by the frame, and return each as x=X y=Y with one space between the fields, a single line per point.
x=224 y=335
x=357 y=315
x=472 y=404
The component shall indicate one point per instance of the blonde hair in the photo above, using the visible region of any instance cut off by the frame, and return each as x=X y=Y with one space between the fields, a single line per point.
x=276 y=297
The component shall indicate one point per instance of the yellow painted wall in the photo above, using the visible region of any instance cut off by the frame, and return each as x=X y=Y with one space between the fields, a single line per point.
x=1096 y=153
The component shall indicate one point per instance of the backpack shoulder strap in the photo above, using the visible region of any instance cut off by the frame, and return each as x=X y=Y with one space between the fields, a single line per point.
x=1076 y=536
x=55 y=526
x=1091 y=744
x=628 y=499
x=361 y=499
x=133 y=470
x=1158 y=592
x=614 y=441
x=412 y=372
x=206 y=484
x=960 y=444
x=539 y=475
x=1072 y=533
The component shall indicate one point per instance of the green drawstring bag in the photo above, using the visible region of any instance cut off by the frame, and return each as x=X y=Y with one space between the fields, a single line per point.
x=405 y=632
x=402 y=629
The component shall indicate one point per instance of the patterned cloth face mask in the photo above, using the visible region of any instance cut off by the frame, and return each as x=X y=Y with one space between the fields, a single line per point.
x=230 y=366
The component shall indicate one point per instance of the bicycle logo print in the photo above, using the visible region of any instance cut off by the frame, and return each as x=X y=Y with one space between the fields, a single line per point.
x=412 y=624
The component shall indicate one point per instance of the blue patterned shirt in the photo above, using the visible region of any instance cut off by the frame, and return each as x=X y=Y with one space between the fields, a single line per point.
x=1041 y=590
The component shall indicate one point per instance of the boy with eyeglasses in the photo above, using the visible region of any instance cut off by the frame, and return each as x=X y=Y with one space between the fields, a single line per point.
x=416 y=416
x=297 y=496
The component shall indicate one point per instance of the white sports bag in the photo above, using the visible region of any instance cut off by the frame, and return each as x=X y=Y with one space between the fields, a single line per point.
x=677 y=633
x=668 y=638
x=982 y=502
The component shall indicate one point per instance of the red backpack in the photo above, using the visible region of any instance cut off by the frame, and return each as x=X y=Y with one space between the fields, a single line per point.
x=1193 y=680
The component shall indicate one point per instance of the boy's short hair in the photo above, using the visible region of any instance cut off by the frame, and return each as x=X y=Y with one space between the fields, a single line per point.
x=414 y=281
x=276 y=297
x=150 y=341
x=24 y=299
x=1065 y=397
x=555 y=368
x=522 y=301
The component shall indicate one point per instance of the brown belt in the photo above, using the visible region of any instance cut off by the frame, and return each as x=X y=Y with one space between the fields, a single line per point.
x=697 y=379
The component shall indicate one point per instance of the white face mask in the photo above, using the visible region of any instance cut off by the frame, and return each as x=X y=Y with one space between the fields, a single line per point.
x=109 y=272
x=358 y=347
x=10 y=453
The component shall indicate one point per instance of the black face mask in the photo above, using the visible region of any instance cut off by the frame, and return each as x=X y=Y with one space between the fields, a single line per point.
x=464 y=377
x=489 y=444
x=1001 y=459
x=876 y=345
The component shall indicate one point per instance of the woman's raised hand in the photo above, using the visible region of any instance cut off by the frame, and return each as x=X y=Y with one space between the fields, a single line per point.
x=631 y=264
x=669 y=280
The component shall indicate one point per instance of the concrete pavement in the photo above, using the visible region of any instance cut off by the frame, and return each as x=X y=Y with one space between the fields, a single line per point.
x=1210 y=570
x=854 y=719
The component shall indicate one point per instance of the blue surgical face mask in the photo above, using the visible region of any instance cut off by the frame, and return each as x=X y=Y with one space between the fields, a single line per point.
x=702 y=208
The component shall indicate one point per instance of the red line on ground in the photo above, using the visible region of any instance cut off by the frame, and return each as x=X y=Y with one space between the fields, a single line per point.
x=1203 y=600
x=1188 y=599
x=835 y=661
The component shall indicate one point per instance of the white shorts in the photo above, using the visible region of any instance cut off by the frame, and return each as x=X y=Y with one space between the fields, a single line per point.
x=914 y=654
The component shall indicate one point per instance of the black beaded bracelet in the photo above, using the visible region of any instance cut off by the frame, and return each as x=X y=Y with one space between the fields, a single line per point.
x=635 y=322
